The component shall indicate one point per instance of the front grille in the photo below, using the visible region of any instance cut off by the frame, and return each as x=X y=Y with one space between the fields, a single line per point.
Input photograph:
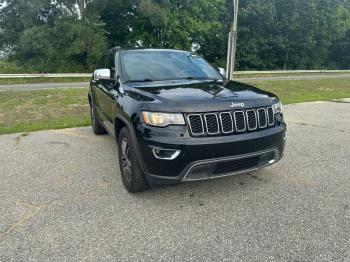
x=236 y=165
x=223 y=123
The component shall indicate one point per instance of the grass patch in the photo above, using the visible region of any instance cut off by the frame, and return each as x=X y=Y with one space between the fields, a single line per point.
x=10 y=81
x=291 y=92
x=26 y=111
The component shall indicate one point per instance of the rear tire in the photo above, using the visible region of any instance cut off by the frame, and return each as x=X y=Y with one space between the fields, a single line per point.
x=97 y=127
x=132 y=175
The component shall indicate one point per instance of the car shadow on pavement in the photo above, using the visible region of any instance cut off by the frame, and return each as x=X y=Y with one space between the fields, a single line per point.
x=240 y=184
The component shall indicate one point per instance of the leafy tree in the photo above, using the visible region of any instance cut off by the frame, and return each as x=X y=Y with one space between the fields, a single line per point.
x=285 y=34
x=179 y=24
x=69 y=35
x=53 y=36
x=340 y=49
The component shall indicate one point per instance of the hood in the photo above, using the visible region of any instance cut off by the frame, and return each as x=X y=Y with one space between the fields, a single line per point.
x=199 y=96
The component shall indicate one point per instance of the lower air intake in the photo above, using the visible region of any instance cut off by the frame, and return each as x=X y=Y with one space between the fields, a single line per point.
x=236 y=165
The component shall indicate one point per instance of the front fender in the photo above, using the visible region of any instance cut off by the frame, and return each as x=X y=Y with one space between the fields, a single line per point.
x=124 y=122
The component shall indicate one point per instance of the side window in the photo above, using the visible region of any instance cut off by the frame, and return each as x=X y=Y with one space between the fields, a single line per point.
x=111 y=65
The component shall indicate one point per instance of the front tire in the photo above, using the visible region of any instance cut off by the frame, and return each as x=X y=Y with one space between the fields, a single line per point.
x=132 y=175
x=97 y=128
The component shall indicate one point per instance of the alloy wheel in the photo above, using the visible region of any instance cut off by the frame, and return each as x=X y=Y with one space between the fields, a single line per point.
x=92 y=113
x=125 y=157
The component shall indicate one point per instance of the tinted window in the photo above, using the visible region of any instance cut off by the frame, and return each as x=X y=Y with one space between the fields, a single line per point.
x=156 y=65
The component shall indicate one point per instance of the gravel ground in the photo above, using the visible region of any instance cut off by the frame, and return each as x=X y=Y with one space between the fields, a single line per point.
x=61 y=199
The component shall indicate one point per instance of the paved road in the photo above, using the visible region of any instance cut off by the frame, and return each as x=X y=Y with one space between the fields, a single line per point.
x=41 y=86
x=253 y=79
x=61 y=198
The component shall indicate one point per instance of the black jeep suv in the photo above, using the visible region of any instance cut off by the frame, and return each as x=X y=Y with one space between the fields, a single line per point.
x=176 y=118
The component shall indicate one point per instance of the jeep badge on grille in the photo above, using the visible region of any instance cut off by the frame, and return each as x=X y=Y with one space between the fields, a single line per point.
x=236 y=105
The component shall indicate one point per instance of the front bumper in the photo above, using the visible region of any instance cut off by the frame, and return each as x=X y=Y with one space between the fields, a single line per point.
x=208 y=157
x=222 y=167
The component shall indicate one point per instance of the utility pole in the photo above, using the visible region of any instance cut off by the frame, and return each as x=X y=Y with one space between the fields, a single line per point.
x=232 y=42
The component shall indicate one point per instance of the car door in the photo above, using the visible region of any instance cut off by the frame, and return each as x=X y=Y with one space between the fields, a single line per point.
x=96 y=85
x=107 y=94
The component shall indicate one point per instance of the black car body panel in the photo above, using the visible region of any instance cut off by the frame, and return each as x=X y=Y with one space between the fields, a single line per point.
x=120 y=103
x=200 y=96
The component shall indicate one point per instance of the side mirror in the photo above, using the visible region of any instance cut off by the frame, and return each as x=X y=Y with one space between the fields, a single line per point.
x=222 y=72
x=102 y=74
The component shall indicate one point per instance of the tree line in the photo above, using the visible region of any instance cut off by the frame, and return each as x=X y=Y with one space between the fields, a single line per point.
x=70 y=35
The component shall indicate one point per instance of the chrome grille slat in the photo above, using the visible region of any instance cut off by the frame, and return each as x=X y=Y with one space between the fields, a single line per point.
x=197 y=129
x=271 y=116
x=212 y=124
x=251 y=120
x=262 y=117
x=240 y=122
x=226 y=120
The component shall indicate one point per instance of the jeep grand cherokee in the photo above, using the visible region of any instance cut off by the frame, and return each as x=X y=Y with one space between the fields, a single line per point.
x=176 y=118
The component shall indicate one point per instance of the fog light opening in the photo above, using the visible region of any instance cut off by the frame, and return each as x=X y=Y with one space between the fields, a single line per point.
x=285 y=136
x=165 y=154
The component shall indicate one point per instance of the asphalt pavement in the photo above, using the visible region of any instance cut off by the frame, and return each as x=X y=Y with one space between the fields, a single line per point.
x=62 y=199
x=40 y=86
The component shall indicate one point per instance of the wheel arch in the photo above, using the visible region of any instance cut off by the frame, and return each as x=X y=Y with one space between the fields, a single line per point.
x=90 y=99
x=118 y=126
x=119 y=123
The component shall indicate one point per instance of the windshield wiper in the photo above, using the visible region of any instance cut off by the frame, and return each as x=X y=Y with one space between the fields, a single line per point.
x=139 y=81
x=201 y=78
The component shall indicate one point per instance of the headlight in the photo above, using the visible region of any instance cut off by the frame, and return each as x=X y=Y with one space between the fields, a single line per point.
x=162 y=119
x=277 y=108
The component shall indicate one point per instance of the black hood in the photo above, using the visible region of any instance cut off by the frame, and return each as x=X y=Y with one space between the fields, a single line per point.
x=199 y=96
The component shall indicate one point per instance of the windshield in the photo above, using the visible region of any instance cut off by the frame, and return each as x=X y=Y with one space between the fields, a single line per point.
x=165 y=65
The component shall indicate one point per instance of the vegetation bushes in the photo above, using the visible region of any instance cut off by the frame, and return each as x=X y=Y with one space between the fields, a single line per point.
x=11 y=68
